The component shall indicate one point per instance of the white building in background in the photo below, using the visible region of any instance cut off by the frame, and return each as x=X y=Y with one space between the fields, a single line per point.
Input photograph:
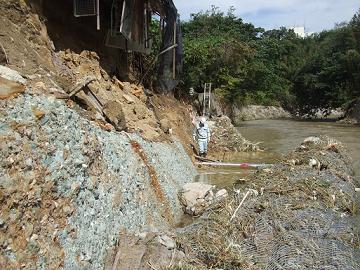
x=300 y=31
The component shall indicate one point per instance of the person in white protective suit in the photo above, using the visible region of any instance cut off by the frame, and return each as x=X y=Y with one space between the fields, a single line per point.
x=201 y=134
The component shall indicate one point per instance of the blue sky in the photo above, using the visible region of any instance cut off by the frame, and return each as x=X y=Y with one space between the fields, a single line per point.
x=315 y=15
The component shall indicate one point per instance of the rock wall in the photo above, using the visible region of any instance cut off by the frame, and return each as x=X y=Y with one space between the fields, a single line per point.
x=69 y=187
x=256 y=112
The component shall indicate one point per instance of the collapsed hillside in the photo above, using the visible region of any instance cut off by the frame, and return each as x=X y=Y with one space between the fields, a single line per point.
x=85 y=156
x=68 y=187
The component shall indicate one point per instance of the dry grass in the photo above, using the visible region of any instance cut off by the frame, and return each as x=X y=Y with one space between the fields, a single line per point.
x=295 y=204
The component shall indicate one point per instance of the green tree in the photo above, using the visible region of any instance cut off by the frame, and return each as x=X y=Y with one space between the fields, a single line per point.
x=245 y=63
x=330 y=78
x=251 y=66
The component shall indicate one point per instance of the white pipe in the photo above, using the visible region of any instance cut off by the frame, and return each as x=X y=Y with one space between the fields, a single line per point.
x=122 y=17
x=98 y=14
x=241 y=165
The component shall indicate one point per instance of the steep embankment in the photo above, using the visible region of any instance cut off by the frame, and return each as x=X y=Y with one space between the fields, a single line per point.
x=68 y=187
x=83 y=155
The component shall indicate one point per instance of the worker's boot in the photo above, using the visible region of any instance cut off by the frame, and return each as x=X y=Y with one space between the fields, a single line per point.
x=204 y=154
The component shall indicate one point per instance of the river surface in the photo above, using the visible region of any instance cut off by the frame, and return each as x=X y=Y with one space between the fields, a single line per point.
x=279 y=137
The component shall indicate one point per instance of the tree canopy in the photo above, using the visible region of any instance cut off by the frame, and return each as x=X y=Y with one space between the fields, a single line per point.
x=249 y=65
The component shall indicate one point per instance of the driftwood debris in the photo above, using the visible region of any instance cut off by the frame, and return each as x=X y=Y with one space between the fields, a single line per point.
x=241 y=203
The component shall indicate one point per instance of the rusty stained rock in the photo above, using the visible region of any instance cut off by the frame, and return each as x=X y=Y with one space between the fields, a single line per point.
x=39 y=114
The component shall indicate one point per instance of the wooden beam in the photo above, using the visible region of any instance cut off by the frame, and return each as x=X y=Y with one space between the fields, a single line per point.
x=80 y=85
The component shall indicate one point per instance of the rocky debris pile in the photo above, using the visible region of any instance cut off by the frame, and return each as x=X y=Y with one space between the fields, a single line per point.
x=121 y=103
x=197 y=197
x=291 y=216
x=174 y=117
x=257 y=112
x=226 y=137
x=110 y=102
x=68 y=187
x=25 y=41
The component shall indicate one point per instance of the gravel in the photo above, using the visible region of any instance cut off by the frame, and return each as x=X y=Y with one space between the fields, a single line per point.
x=108 y=183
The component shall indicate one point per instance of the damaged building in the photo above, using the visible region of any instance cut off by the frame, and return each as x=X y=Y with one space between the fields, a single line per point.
x=116 y=29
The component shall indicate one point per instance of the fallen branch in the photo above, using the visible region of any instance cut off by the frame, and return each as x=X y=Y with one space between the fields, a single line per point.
x=6 y=56
x=241 y=203
x=151 y=266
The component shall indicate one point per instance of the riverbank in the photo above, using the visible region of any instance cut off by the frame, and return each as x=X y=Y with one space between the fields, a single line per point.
x=282 y=136
x=257 y=112
x=303 y=211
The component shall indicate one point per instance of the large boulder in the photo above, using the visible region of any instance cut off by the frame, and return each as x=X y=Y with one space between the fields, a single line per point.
x=196 y=197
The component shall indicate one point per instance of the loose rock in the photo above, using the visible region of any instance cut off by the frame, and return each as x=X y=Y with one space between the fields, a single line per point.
x=113 y=111
x=196 y=197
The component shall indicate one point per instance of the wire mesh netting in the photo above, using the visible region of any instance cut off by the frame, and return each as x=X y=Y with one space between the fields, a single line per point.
x=85 y=8
x=304 y=218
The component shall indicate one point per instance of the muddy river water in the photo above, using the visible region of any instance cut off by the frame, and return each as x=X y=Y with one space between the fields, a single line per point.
x=279 y=137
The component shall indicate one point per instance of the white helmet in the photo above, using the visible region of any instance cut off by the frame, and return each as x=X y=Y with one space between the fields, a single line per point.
x=202 y=119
